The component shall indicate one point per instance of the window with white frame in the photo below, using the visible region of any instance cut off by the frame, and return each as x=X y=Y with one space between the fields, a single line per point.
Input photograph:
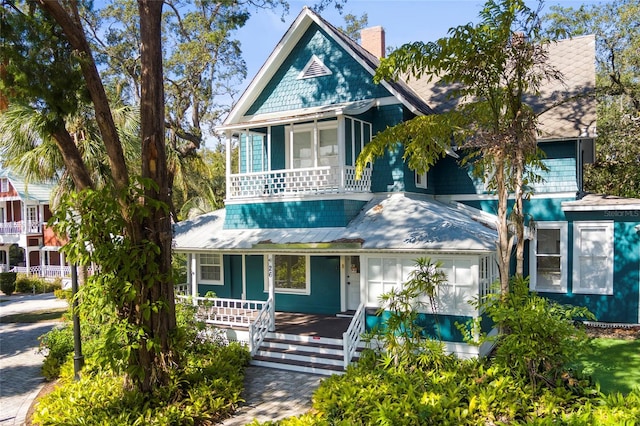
x=593 y=257
x=211 y=271
x=313 y=145
x=386 y=273
x=548 y=258
x=4 y=185
x=421 y=180
x=291 y=274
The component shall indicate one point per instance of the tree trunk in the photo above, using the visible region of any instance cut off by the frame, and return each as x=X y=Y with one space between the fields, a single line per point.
x=504 y=243
x=518 y=211
x=156 y=228
x=72 y=158
x=70 y=23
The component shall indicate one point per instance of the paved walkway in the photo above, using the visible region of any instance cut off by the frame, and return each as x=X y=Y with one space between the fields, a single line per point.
x=273 y=395
x=20 y=362
x=269 y=394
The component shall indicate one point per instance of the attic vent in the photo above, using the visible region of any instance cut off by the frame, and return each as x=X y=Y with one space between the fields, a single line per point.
x=314 y=68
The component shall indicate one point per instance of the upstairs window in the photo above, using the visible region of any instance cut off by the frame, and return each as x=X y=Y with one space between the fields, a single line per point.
x=313 y=145
x=548 y=271
x=421 y=180
x=4 y=185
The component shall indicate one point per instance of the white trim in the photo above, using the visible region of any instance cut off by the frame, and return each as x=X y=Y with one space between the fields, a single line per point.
x=601 y=207
x=203 y=281
x=563 y=227
x=607 y=249
x=272 y=282
x=423 y=176
x=475 y=197
x=314 y=59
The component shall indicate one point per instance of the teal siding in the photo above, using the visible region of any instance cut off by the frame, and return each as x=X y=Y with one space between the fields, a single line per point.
x=348 y=81
x=233 y=264
x=258 y=153
x=325 y=289
x=441 y=327
x=255 y=278
x=538 y=209
x=278 y=152
x=298 y=214
x=389 y=170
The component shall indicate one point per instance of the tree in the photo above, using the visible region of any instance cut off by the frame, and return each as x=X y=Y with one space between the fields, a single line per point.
x=489 y=67
x=616 y=170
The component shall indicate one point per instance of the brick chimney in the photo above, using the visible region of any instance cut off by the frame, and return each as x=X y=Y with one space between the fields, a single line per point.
x=372 y=39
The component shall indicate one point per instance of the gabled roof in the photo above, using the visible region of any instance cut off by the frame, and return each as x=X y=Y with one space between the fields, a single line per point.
x=398 y=222
x=40 y=192
x=285 y=46
x=575 y=116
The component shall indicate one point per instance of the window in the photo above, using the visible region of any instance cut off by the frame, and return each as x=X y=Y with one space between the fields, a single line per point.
x=421 y=180
x=291 y=274
x=313 y=145
x=302 y=149
x=593 y=257
x=211 y=269
x=453 y=295
x=548 y=260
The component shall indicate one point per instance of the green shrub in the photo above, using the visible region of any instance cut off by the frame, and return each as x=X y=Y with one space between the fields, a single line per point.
x=8 y=282
x=33 y=284
x=24 y=284
x=539 y=340
x=206 y=391
x=57 y=344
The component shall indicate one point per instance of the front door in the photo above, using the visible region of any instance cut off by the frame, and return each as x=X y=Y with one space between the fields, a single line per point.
x=353 y=282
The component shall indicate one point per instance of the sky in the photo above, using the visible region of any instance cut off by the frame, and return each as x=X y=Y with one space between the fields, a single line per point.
x=404 y=21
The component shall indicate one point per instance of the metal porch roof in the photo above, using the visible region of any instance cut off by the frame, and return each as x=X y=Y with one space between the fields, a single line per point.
x=395 y=222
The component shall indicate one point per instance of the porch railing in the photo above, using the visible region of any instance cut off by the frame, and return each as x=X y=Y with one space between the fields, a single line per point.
x=351 y=337
x=20 y=227
x=44 y=271
x=314 y=180
x=259 y=328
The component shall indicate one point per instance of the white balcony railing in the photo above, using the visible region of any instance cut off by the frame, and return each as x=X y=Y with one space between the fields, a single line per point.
x=11 y=228
x=316 y=180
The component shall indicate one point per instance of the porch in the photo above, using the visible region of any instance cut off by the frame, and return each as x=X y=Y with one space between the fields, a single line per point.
x=320 y=344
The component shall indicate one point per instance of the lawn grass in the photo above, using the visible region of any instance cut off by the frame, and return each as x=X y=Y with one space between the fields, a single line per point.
x=36 y=316
x=615 y=364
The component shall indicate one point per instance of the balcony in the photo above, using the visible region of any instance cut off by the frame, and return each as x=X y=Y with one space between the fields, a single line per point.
x=21 y=227
x=298 y=182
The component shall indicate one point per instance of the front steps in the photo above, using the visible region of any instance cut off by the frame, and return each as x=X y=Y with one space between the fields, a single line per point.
x=307 y=354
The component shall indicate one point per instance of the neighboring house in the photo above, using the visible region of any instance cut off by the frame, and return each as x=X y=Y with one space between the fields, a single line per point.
x=24 y=211
x=299 y=228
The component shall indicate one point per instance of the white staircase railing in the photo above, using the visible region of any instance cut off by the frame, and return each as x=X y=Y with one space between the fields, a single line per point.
x=259 y=328
x=351 y=337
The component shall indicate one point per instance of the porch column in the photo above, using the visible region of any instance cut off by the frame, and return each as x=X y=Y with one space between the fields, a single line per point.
x=244 y=277
x=228 y=173
x=192 y=268
x=272 y=291
x=342 y=155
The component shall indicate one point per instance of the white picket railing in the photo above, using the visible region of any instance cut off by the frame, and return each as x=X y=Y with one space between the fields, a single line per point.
x=44 y=271
x=314 y=180
x=259 y=328
x=351 y=337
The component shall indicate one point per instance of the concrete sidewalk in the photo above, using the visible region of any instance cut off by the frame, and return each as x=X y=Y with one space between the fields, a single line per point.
x=20 y=362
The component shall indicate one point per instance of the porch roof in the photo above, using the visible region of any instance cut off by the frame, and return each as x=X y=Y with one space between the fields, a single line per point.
x=396 y=222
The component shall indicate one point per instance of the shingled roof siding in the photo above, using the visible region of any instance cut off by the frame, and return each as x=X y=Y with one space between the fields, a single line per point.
x=287 y=91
